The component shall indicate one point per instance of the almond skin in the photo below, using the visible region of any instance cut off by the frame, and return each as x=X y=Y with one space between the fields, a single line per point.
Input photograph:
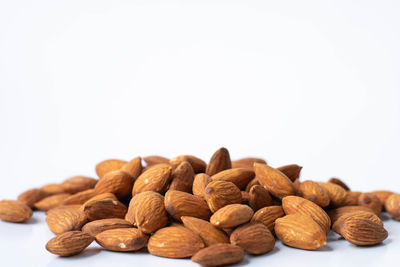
x=392 y=205
x=174 y=242
x=61 y=220
x=53 y=189
x=254 y=181
x=30 y=197
x=371 y=201
x=336 y=193
x=50 y=202
x=351 y=198
x=14 y=211
x=382 y=195
x=96 y=227
x=182 y=178
x=277 y=183
x=362 y=231
x=198 y=165
x=200 y=182
x=69 y=243
x=292 y=171
x=359 y=214
x=239 y=176
x=153 y=160
x=117 y=182
x=268 y=216
x=79 y=198
x=104 y=209
x=219 y=161
x=109 y=165
x=218 y=194
x=78 y=184
x=180 y=204
x=334 y=214
x=259 y=197
x=294 y=204
x=99 y=197
x=314 y=192
x=300 y=231
x=133 y=168
x=245 y=197
x=208 y=232
x=155 y=179
x=122 y=239
x=218 y=255
x=254 y=238
x=232 y=216
x=339 y=183
x=247 y=162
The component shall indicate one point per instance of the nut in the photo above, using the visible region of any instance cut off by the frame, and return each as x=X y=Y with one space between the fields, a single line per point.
x=231 y=216
x=14 y=211
x=218 y=255
x=69 y=243
x=208 y=232
x=178 y=204
x=254 y=238
x=239 y=176
x=218 y=194
x=122 y=239
x=219 y=161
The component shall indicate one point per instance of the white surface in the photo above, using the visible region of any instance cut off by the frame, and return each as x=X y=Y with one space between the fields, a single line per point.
x=308 y=82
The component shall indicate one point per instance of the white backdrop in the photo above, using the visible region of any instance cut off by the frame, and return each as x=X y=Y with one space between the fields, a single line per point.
x=309 y=82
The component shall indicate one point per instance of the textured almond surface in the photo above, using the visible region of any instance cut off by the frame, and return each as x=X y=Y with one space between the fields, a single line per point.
x=104 y=209
x=334 y=214
x=208 y=232
x=371 y=201
x=356 y=214
x=231 y=216
x=219 y=161
x=14 y=211
x=117 y=182
x=382 y=195
x=96 y=227
x=30 y=197
x=182 y=178
x=109 y=165
x=61 y=220
x=200 y=183
x=198 y=165
x=339 y=183
x=51 y=201
x=153 y=160
x=154 y=179
x=363 y=231
x=122 y=239
x=78 y=184
x=254 y=238
x=80 y=197
x=218 y=194
x=292 y=171
x=133 y=168
x=336 y=193
x=239 y=176
x=268 y=216
x=259 y=197
x=69 y=243
x=218 y=255
x=247 y=162
x=314 y=192
x=178 y=204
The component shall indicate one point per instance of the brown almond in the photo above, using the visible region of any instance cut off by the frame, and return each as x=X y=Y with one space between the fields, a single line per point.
x=362 y=231
x=155 y=179
x=104 y=209
x=339 y=183
x=392 y=205
x=351 y=198
x=371 y=201
x=294 y=204
x=254 y=181
x=247 y=162
x=239 y=176
x=30 y=197
x=208 y=232
x=245 y=197
x=200 y=182
x=292 y=171
x=96 y=227
x=53 y=189
x=99 y=197
x=117 y=182
x=14 y=211
x=153 y=160
x=109 y=165
x=336 y=193
x=314 y=192
x=277 y=183
x=61 y=220
x=219 y=161
x=50 y=202
x=254 y=238
x=382 y=195
x=300 y=231
x=69 y=243
x=178 y=204
x=359 y=214
x=218 y=255
x=198 y=165
x=268 y=216
x=231 y=216
x=259 y=197
x=174 y=242
x=78 y=184
x=79 y=198
x=122 y=239
x=334 y=214
x=182 y=178
x=133 y=168
x=218 y=194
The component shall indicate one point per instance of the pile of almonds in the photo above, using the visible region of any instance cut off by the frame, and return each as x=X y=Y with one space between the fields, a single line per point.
x=213 y=213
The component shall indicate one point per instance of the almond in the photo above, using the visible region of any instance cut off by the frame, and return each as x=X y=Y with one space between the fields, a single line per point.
x=359 y=214
x=99 y=197
x=218 y=255
x=200 y=182
x=351 y=198
x=362 y=231
x=79 y=198
x=292 y=171
x=174 y=242
x=53 y=189
x=339 y=183
x=155 y=179
x=153 y=160
x=247 y=162
x=50 y=202
x=182 y=178
x=239 y=176
x=254 y=238
x=180 y=204
x=61 y=220
x=382 y=195
x=208 y=232
x=117 y=182
x=259 y=197
x=133 y=168
x=109 y=165
x=277 y=183
x=336 y=193
x=245 y=197
x=268 y=216
x=69 y=243
x=218 y=194
x=122 y=239
x=32 y=196
x=334 y=214
x=219 y=161
x=232 y=215
x=254 y=181
x=198 y=165
x=392 y=205
x=371 y=201
x=300 y=231
x=104 y=209
x=294 y=204
x=14 y=211
x=314 y=192
x=96 y=227
x=78 y=184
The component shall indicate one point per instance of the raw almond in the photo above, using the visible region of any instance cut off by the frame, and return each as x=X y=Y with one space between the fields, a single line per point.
x=109 y=165
x=351 y=198
x=334 y=214
x=239 y=176
x=314 y=192
x=231 y=216
x=14 y=211
x=254 y=181
x=155 y=179
x=53 y=189
x=219 y=161
x=268 y=216
x=200 y=182
x=362 y=231
x=382 y=195
x=359 y=214
x=339 y=183
x=78 y=184
x=182 y=178
x=218 y=255
x=104 y=209
x=292 y=171
x=153 y=160
x=96 y=227
x=371 y=201
x=61 y=220
x=208 y=232
x=198 y=165
x=392 y=205
x=99 y=197
x=133 y=168
x=336 y=193
x=30 y=197
x=69 y=243
x=245 y=197
x=178 y=204
x=122 y=239
x=247 y=162
x=259 y=197
x=254 y=238
x=50 y=202
x=218 y=194
x=79 y=198
x=117 y=182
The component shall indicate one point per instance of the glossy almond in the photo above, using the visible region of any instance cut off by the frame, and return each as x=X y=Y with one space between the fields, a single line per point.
x=61 y=220
x=78 y=184
x=14 y=211
x=239 y=176
x=155 y=179
x=292 y=171
x=69 y=243
x=219 y=161
x=109 y=165
x=277 y=183
x=182 y=178
x=259 y=197
x=334 y=214
x=122 y=239
x=218 y=194
x=231 y=216
x=268 y=216
x=153 y=160
x=104 y=209
x=208 y=232
x=50 y=202
x=247 y=162
x=314 y=192
x=371 y=201
x=392 y=205
x=359 y=214
x=174 y=242
x=336 y=193
x=339 y=183
x=198 y=165
x=200 y=182
x=117 y=182
x=218 y=255
x=30 y=197
x=133 y=168
x=254 y=238
x=96 y=227
x=79 y=198
x=362 y=231
x=178 y=204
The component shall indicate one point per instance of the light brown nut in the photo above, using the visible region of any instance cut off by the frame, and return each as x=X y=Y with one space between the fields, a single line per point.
x=174 y=242
x=247 y=162
x=362 y=231
x=155 y=179
x=239 y=176
x=122 y=239
x=79 y=198
x=133 y=168
x=268 y=216
x=300 y=231
x=254 y=181
x=109 y=165
x=294 y=204
x=30 y=197
x=392 y=205
x=117 y=182
x=314 y=192
x=371 y=201
x=178 y=204
x=245 y=197
x=200 y=182
x=198 y=165
x=336 y=193
x=153 y=160
x=218 y=194
x=339 y=183
x=219 y=161
x=14 y=211
x=64 y=219
x=99 y=197
x=69 y=243
x=359 y=214
x=292 y=171
x=182 y=178
x=334 y=214
x=254 y=238
x=218 y=255
x=351 y=198
x=382 y=195
x=259 y=197
x=208 y=232
x=231 y=216
x=96 y=227
x=104 y=209
x=78 y=184
x=277 y=183
x=50 y=202
x=53 y=189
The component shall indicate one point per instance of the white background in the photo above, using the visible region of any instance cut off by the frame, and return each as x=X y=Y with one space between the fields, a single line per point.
x=309 y=82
